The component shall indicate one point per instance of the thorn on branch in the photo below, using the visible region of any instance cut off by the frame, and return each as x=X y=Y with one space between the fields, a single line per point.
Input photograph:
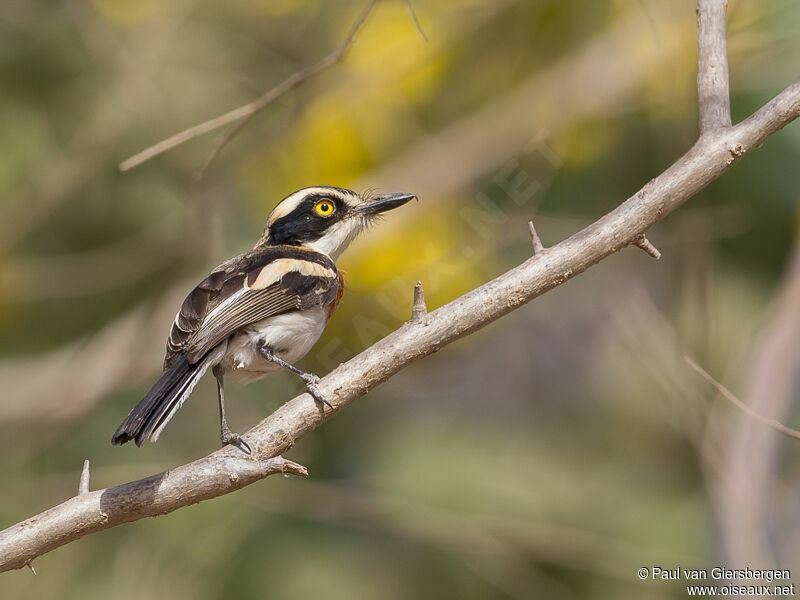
x=289 y=467
x=83 y=485
x=29 y=564
x=537 y=243
x=419 y=309
x=643 y=243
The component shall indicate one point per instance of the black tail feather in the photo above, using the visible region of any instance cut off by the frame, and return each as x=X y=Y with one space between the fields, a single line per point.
x=149 y=413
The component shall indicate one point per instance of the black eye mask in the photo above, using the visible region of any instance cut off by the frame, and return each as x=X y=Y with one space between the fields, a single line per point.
x=304 y=223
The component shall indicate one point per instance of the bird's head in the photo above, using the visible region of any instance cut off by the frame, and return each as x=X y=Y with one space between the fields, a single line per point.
x=325 y=219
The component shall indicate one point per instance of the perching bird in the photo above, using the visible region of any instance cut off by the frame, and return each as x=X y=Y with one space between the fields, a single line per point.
x=262 y=310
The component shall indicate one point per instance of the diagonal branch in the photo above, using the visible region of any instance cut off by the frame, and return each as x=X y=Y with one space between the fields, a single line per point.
x=154 y=495
x=227 y=470
x=244 y=113
x=712 y=65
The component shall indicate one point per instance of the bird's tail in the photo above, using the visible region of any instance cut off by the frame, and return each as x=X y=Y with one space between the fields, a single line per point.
x=150 y=416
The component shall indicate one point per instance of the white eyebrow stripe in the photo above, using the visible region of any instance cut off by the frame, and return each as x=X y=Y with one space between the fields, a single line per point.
x=292 y=201
x=285 y=207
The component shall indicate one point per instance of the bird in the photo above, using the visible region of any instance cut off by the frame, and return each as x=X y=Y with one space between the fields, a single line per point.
x=262 y=310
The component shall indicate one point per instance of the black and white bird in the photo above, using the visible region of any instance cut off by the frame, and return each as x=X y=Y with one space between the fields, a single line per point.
x=261 y=311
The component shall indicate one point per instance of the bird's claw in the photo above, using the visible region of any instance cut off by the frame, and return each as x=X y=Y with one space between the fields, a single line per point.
x=234 y=439
x=313 y=389
x=310 y=379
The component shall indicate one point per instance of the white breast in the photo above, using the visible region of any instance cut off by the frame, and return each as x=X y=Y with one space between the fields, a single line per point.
x=290 y=336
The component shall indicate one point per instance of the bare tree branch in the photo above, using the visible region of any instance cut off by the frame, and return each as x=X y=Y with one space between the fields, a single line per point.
x=246 y=111
x=228 y=469
x=712 y=65
x=158 y=494
x=728 y=395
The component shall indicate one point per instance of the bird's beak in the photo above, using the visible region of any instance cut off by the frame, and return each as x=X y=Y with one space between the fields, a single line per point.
x=379 y=204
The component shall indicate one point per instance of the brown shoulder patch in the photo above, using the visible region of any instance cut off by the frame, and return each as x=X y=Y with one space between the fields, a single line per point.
x=331 y=307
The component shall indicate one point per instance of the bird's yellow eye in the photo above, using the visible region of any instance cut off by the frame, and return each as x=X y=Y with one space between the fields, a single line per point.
x=324 y=208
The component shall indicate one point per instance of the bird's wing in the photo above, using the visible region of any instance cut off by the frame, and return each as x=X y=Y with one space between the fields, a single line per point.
x=246 y=289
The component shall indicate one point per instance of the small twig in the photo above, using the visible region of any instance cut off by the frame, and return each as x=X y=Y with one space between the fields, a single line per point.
x=535 y=240
x=419 y=309
x=776 y=425
x=29 y=564
x=83 y=485
x=414 y=18
x=645 y=244
x=713 y=88
x=246 y=111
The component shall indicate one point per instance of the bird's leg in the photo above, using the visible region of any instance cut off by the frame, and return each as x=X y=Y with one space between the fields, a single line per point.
x=310 y=379
x=225 y=434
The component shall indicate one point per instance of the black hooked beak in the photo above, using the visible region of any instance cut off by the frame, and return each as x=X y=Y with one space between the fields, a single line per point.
x=379 y=204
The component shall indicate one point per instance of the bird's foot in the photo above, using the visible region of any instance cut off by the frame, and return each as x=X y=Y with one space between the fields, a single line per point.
x=229 y=438
x=313 y=389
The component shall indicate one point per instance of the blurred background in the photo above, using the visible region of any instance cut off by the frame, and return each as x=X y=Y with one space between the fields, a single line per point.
x=551 y=454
